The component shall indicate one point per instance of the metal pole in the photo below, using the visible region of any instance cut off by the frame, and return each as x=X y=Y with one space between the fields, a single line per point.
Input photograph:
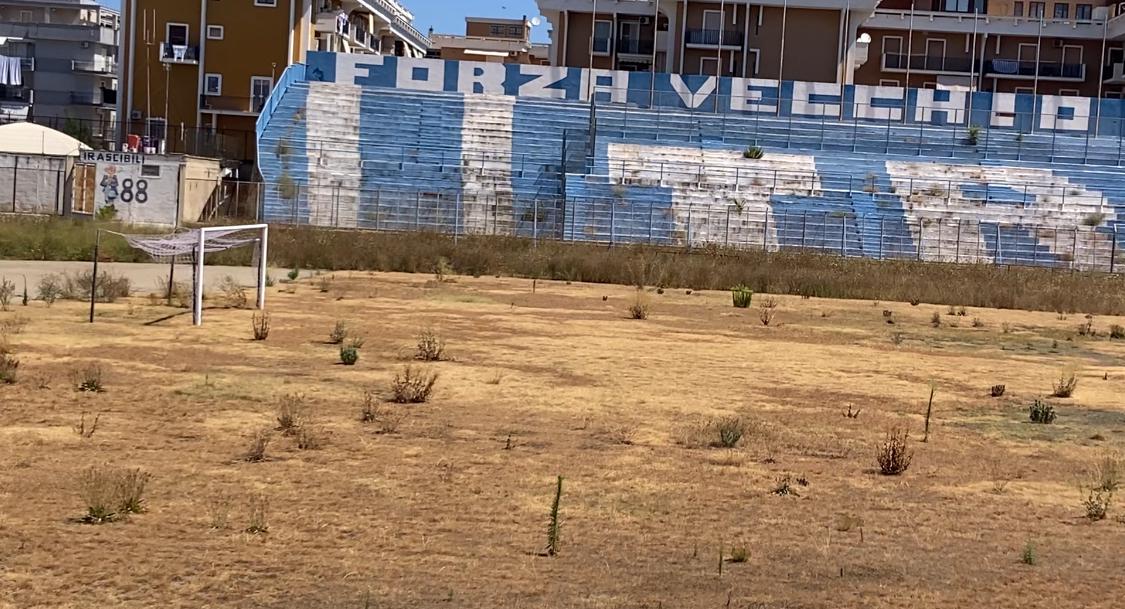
x=1101 y=75
x=593 y=32
x=262 y=247
x=655 y=30
x=719 y=53
x=1035 y=81
x=781 y=58
x=972 y=67
x=909 y=48
x=197 y=311
x=94 y=279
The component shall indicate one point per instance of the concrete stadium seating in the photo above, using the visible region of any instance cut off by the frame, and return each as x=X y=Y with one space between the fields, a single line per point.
x=339 y=154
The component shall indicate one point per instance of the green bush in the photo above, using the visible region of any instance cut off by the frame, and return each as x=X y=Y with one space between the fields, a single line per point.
x=754 y=153
x=349 y=355
x=741 y=296
x=1041 y=412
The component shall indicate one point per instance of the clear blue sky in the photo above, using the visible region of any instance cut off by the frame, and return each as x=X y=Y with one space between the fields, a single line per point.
x=448 y=16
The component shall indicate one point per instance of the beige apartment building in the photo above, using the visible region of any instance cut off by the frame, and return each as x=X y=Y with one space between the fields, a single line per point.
x=1068 y=47
x=194 y=74
x=493 y=40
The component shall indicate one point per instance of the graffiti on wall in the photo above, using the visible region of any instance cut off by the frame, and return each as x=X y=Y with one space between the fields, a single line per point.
x=940 y=106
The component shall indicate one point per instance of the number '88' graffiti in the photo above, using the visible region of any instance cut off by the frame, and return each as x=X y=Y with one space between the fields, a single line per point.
x=127 y=194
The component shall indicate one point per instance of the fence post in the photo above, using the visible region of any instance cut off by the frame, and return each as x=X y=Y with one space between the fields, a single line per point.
x=855 y=129
x=726 y=231
x=457 y=217
x=689 y=225
x=534 y=221
x=921 y=237
x=1074 y=249
x=766 y=230
x=417 y=211
x=957 y=254
x=378 y=196
x=612 y=215
x=1034 y=246
x=650 y=222
x=999 y=249
x=1113 y=251
x=804 y=226
x=844 y=235
x=882 y=229
x=1054 y=132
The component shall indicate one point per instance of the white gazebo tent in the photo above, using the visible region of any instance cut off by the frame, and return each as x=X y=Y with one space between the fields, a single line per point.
x=32 y=139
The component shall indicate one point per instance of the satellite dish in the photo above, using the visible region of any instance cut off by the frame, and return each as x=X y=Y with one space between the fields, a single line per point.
x=536 y=22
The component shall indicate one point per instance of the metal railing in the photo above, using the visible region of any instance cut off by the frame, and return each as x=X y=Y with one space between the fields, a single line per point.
x=232 y=103
x=927 y=63
x=1047 y=69
x=618 y=220
x=635 y=46
x=707 y=37
x=176 y=53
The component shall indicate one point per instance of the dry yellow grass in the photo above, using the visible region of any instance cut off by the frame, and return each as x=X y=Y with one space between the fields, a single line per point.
x=451 y=509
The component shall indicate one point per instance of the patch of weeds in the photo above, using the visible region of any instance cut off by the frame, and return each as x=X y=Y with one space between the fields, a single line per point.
x=1029 y=557
x=110 y=494
x=1117 y=332
x=430 y=347
x=640 y=308
x=442 y=269
x=977 y=323
x=349 y=355
x=309 y=438
x=1065 y=386
x=50 y=288
x=766 y=315
x=218 y=509
x=89 y=379
x=234 y=295
x=1006 y=328
x=1087 y=328
x=739 y=554
x=852 y=414
x=935 y=320
x=256 y=453
x=260 y=325
x=258 y=521
x=339 y=332
x=293 y=274
x=1096 y=504
x=728 y=431
x=897 y=338
x=85 y=431
x=9 y=367
x=386 y=419
x=1041 y=412
x=324 y=284
x=741 y=296
x=292 y=413
x=997 y=390
x=7 y=290
x=893 y=454
x=783 y=487
x=131 y=485
x=412 y=386
x=753 y=153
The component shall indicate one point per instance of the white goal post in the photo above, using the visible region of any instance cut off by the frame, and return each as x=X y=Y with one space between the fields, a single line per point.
x=196 y=243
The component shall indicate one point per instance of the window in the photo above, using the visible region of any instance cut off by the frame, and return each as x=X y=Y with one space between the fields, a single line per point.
x=712 y=21
x=1069 y=92
x=886 y=82
x=1062 y=11
x=1037 y=9
x=708 y=66
x=25 y=17
x=1017 y=9
x=1084 y=12
x=150 y=171
x=496 y=30
x=603 y=30
x=515 y=30
x=215 y=32
x=265 y=2
x=176 y=34
x=260 y=87
x=1027 y=90
x=212 y=84
x=157 y=128
x=929 y=85
x=956 y=6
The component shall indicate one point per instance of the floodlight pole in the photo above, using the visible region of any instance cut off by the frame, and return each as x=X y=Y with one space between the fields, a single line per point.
x=94 y=279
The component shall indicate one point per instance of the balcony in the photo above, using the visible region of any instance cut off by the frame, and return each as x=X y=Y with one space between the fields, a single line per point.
x=1114 y=74
x=994 y=25
x=15 y=95
x=93 y=67
x=927 y=64
x=710 y=38
x=27 y=64
x=633 y=46
x=230 y=104
x=179 y=53
x=102 y=97
x=65 y=33
x=1025 y=70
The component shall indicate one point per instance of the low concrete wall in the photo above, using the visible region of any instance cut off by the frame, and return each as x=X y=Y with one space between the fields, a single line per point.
x=33 y=184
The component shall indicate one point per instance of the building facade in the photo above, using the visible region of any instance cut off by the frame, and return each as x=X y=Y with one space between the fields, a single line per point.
x=196 y=73
x=492 y=40
x=58 y=64
x=1011 y=46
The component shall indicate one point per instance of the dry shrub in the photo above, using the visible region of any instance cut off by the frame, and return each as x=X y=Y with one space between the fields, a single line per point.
x=640 y=308
x=1117 y=332
x=431 y=346
x=724 y=432
x=87 y=432
x=234 y=295
x=309 y=438
x=260 y=325
x=7 y=290
x=997 y=390
x=8 y=368
x=218 y=509
x=1065 y=386
x=1096 y=504
x=386 y=419
x=893 y=454
x=766 y=315
x=258 y=443
x=90 y=378
x=412 y=386
x=339 y=332
x=1041 y=412
x=13 y=325
x=258 y=520
x=110 y=493
x=1106 y=472
x=50 y=288
x=935 y=320
x=76 y=286
x=292 y=413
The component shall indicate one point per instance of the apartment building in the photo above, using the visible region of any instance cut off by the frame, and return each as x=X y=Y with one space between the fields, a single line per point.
x=196 y=73
x=493 y=40
x=1068 y=47
x=58 y=65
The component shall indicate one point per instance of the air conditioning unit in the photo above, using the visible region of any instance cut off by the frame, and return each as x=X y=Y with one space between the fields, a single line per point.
x=1058 y=43
x=646 y=20
x=135 y=115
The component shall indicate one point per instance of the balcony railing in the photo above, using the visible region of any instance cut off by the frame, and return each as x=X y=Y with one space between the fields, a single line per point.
x=730 y=38
x=179 y=53
x=634 y=46
x=927 y=63
x=227 y=103
x=1114 y=72
x=1026 y=69
x=102 y=97
x=19 y=96
x=95 y=67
